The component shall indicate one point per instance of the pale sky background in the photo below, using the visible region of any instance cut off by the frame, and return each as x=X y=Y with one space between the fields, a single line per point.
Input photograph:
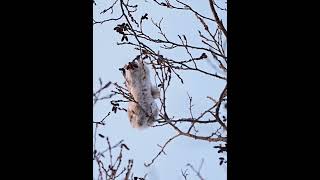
x=108 y=58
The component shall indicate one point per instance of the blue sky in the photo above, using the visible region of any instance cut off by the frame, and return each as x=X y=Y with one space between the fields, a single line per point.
x=108 y=58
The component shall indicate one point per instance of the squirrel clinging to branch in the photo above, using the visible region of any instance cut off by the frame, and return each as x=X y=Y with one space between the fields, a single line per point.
x=143 y=111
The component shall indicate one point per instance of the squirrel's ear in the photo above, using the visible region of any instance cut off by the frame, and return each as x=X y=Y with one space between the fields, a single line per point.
x=155 y=92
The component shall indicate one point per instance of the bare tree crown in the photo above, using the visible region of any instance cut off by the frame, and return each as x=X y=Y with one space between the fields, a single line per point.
x=150 y=76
